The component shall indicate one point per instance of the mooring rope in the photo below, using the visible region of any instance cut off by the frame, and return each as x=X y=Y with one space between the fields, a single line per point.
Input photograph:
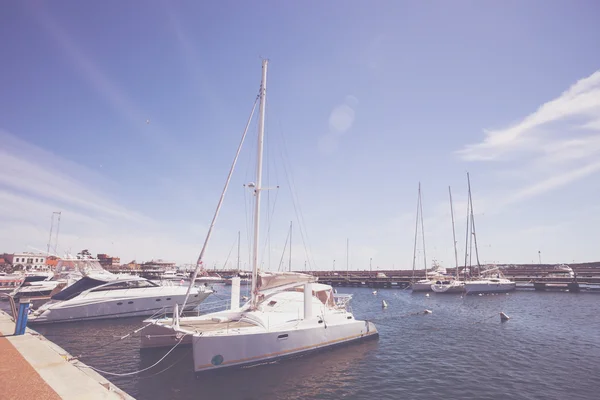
x=141 y=370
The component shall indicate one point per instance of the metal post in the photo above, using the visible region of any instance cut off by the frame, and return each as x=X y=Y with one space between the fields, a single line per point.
x=21 y=322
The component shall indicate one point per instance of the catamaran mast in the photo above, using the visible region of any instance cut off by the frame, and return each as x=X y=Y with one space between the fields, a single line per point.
x=290 y=263
x=258 y=185
x=238 y=260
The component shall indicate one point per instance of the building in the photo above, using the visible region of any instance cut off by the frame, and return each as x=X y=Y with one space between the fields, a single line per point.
x=158 y=265
x=26 y=261
x=109 y=262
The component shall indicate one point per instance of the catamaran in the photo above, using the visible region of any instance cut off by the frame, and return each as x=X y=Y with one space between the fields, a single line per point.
x=288 y=313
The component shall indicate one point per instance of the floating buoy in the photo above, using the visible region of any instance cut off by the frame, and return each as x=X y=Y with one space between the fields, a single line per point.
x=426 y=294
x=383 y=304
x=374 y=291
x=507 y=294
x=503 y=317
x=481 y=294
x=427 y=312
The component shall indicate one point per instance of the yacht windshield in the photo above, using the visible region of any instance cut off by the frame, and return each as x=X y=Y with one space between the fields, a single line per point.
x=76 y=288
x=136 y=284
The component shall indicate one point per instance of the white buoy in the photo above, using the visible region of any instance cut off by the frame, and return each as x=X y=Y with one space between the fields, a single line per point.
x=383 y=304
x=481 y=294
x=427 y=312
x=507 y=294
x=426 y=294
x=503 y=317
x=374 y=291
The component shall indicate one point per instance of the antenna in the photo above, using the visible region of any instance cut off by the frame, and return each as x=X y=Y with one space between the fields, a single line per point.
x=57 y=214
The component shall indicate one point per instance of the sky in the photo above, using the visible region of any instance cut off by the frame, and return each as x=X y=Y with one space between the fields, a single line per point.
x=125 y=117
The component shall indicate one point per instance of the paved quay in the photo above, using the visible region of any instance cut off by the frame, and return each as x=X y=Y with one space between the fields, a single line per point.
x=32 y=367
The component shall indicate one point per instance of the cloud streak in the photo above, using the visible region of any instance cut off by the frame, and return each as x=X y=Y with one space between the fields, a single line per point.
x=556 y=145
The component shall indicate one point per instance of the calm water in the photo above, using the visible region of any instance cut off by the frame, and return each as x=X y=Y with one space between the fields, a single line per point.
x=550 y=349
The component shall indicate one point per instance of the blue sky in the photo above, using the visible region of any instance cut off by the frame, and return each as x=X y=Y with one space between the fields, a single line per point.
x=364 y=101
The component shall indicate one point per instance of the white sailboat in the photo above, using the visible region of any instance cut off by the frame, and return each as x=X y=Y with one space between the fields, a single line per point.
x=487 y=281
x=422 y=285
x=453 y=285
x=288 y=313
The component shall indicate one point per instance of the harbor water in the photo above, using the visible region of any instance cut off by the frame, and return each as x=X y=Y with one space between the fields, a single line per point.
x=549 y=349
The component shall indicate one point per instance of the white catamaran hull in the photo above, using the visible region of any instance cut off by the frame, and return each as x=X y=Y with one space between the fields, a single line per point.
x=475 y=287
x=216 y=352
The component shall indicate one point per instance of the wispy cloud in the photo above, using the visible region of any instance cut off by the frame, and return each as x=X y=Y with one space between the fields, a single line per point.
x=113 y=94
x=579 y=106
x=35 y=182
x=341 y=120
x=557 y=144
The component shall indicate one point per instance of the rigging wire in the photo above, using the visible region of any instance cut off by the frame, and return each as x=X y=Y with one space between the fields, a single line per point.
x=219 y=204
x=296 y=203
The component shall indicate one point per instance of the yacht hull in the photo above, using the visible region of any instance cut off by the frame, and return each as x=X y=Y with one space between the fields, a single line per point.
x=236 y=350
x=448 y=288
x=489 y=287
x=421 y=286
x=116 y=307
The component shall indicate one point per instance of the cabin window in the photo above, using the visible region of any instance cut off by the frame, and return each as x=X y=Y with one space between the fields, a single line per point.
x=284 y=336
x=157 y=299
x=119 y=303
x=130 y=302
x=168 y=298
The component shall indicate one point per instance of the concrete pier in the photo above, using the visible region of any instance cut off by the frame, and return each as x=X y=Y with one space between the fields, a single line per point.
x=32 y=367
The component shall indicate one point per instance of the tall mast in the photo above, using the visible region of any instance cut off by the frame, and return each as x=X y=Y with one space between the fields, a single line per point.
x=258 y=185
x=290 y=264
x=473 y=227
x=453 y=232
x=416 y=233
x=347 y=253
x=422 y=231
x=467 y=236
x=238 y=260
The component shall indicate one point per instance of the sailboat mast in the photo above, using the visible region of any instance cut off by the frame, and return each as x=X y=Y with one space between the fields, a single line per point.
x=347 y=255
x=290 y=264
x=238 y=260
x=473 y=227
x=416 y=234
x=467 y=236
x=422 y=231
x=258 y=185
x=453 y=231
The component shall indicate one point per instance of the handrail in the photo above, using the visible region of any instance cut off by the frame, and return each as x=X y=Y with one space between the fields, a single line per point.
x=13 y=307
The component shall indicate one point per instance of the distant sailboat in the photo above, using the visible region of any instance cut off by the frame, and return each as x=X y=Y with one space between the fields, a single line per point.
x=422 y=285
x=453 y=285
x=490 y=280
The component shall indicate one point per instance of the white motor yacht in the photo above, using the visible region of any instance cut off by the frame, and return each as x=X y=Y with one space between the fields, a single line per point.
x=491 y=281
x=288 y=313
x=100 y=296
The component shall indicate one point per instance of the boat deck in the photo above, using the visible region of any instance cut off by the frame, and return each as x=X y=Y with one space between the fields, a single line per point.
x=210 y=326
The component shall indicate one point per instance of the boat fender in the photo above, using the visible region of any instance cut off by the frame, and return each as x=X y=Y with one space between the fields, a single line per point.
x=427 y=312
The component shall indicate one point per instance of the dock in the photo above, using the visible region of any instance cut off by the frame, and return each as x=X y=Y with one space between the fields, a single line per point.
x=32 y=367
